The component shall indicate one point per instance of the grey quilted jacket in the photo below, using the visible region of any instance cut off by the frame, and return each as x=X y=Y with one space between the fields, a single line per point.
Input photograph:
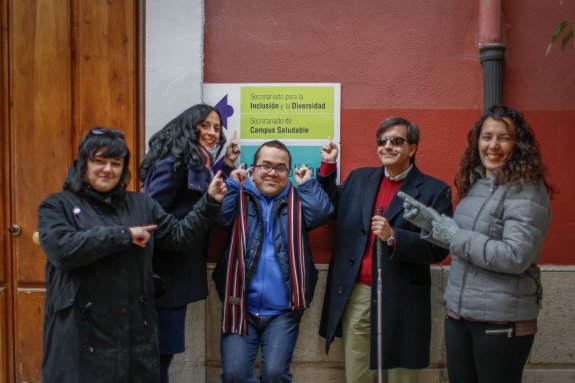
x=494 y=274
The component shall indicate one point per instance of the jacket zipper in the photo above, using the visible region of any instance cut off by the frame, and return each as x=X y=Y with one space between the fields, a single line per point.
x=508 y=331
x=250 y=267
x=277 y=206
x=492 y=188
x=255 y=259
x=539 y=288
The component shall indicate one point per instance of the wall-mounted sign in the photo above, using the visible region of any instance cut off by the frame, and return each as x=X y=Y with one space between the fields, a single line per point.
x=302 y=116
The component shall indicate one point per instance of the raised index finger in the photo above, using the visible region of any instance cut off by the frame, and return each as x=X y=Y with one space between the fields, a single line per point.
x=149 y=228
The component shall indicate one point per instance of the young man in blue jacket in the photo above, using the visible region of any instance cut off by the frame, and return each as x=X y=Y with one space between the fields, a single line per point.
x=266 y=276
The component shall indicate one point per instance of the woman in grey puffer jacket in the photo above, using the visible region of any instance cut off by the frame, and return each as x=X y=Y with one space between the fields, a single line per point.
x=493 y=291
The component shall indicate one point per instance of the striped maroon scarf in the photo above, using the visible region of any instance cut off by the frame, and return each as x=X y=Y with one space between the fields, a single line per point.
x=234 y=314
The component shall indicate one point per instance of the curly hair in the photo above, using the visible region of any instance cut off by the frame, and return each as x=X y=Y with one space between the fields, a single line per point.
x=525 y=163
x=180 y=139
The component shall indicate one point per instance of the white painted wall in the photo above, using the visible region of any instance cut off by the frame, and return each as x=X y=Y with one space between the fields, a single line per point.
x=174 y=59
x=174 y=75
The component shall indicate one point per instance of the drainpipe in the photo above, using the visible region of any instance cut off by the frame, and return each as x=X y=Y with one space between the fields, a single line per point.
x=491 y=52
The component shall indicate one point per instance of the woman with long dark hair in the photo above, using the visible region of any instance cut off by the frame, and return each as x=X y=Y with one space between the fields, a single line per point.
x=176 y=171
x=493 y=292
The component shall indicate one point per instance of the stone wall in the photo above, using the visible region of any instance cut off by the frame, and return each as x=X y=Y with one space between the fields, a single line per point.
x=552 y=358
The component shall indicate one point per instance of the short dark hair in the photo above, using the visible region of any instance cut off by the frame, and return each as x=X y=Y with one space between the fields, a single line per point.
x=272 y=144
x=112 y=144
x=412 y=130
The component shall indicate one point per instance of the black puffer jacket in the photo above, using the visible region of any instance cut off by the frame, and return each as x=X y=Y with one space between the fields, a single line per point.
x=99 y=321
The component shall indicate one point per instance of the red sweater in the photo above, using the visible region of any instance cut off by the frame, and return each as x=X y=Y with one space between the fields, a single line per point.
x=387 y=189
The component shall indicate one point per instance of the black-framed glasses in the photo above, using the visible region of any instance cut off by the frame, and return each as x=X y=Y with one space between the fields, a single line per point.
x=395 y=140
x=280 y=170
x=107 y=131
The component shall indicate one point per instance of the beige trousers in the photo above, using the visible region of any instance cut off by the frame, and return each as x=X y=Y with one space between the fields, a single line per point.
x=356 y=341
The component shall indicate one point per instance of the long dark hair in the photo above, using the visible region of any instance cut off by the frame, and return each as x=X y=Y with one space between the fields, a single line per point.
x=107 y=143
x=179 y=138
x=525 y=163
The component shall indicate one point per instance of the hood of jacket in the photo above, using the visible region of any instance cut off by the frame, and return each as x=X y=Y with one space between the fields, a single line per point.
x=250 y=187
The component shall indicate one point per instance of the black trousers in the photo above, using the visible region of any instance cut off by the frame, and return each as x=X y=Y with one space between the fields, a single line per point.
x=479 y=352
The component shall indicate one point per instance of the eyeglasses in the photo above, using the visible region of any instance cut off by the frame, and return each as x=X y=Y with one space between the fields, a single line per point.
x=395 y=141
x=281 y=170
x=107 y=132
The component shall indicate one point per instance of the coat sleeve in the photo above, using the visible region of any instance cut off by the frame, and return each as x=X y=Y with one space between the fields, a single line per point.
x=330 y=187
x=173 y=234
x=410 y=246
x=316 y=205
x=227 y=170
x=526 y=216
x=162 y=184
x=67 y=247
x=228 y=211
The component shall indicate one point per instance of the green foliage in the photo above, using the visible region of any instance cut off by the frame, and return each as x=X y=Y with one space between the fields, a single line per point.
x=565 y=31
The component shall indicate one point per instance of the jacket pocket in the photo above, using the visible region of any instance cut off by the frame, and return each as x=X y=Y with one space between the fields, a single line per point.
x=159 y=285
x=63 y=290
x=506 y=331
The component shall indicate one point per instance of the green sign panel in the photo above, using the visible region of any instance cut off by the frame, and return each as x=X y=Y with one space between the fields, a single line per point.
x=287 y=112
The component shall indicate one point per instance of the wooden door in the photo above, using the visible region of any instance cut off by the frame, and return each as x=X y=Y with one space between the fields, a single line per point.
x=67 y=65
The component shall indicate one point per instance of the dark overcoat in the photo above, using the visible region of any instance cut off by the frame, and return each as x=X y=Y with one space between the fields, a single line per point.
x=406 y=279
x=99 y=320
x=183 y=272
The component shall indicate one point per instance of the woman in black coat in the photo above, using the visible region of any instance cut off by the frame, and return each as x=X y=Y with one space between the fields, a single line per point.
x=176 y=172
x=99 y=321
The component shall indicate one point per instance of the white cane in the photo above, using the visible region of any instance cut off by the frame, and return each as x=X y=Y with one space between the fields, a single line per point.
x=379 y=254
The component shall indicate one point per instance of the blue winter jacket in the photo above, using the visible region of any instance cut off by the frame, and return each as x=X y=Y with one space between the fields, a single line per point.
x=268 y=278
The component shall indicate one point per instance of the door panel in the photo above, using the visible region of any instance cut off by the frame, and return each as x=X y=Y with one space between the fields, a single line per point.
x=6 y=360
x=4 y=338
x=73 y=64
x=40 y=119
x=28 y=334
x=40 y=132
x=105 y=53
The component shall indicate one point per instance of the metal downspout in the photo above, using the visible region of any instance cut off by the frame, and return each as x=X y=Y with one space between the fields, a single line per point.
x=491 y=52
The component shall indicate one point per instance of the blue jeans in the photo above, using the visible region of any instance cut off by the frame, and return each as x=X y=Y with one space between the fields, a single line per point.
x=277 y=336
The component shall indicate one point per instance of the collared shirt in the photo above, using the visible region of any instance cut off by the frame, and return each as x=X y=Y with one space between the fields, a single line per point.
x=400 y=176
